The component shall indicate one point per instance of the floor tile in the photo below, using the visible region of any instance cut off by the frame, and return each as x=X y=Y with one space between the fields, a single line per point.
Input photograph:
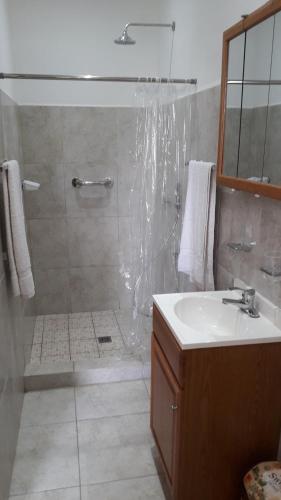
x=83 y=349
x=81 y=323
x=47 y=368
x=80 y=333
x=103 y=331
x=36 y=353
x=55 y=335
x=38 y=331
x=104 y=318
x=55 y=351
x=145 y=488
x=46 y=459
x=124 y=317
x=106 y=400
x=65 y=494
x=115 y=448
x=112 y=348
x=148 y=385
x=48 y=407
x=80 y=315
x=55 y=324
x=56 y=317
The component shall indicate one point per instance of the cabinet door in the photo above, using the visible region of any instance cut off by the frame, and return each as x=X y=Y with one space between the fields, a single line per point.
x=165 y=410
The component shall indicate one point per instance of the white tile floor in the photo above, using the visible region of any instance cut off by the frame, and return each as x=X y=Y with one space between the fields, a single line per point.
x=88 y=443
x=75 y=337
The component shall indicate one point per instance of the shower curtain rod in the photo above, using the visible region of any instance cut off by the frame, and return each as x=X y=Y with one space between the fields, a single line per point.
x=93 y=78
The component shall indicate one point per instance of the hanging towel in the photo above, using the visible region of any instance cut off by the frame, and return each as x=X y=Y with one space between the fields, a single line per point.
x=18 y=253
x=197 y=240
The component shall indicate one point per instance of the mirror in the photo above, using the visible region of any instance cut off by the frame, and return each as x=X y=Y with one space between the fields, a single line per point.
x=250 y=126
x=272 y=160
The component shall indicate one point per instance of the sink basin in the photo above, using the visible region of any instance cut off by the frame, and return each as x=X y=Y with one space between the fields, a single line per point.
x=200 y=319
x=207 y=314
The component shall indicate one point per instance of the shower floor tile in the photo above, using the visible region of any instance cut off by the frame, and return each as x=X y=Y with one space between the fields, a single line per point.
x=83 y=349
x=74 y=337
x=111 y=348
x=56 y=336
x=103 y=331
x=55 y=351
x=81 y=333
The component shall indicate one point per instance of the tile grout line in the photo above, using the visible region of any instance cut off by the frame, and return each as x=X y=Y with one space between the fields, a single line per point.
x=112 y=481
x=147 y=412
x=19 y=495
x=77 y=441
x=76 y=420
x=96 y=339
x=144 y=379
x=120 y=330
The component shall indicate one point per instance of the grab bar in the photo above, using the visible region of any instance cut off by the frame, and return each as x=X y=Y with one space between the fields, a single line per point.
x=107 y=182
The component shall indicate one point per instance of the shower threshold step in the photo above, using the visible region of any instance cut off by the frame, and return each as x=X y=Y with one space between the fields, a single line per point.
x=87 y=372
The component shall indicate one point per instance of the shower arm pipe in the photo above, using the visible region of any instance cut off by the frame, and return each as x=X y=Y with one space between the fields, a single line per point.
x=152 y=25
x=93 y=78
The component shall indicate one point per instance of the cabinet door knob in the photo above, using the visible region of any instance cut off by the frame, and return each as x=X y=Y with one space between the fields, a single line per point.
x=174 y=407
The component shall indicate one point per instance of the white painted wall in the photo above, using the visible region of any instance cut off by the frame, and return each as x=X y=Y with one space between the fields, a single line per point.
x=5 y=49
x=70 y=36
x=74 y=37
x=198 y=40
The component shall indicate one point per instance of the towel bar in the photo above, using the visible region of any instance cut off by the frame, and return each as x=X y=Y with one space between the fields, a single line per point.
x=107 y=182
x=26 y=184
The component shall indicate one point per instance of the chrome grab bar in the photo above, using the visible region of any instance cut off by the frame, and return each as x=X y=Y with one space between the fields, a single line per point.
x=107 y=182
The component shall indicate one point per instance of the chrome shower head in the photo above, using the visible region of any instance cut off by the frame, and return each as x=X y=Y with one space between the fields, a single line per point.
x=125 y=39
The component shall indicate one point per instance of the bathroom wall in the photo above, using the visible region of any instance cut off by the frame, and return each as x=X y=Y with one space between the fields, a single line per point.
x=80 y=238
x=241 y=216
x=77 y=235
x=198 y=38
x=5 y=47
x=82 y=42
x=14 y=326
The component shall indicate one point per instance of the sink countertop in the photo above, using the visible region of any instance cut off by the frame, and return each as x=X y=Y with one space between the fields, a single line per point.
x=218 y=325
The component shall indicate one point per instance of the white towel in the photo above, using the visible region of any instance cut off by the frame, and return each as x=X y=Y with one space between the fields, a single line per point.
x=197 y=240
x=18 y=253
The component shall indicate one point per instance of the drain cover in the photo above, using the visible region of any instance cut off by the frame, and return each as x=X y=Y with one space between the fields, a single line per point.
x=104 y=340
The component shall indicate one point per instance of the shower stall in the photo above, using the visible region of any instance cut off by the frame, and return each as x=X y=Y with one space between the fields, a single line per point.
x=104 y=227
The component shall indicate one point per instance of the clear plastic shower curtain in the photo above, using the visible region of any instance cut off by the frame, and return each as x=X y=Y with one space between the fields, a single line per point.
x=150 y=265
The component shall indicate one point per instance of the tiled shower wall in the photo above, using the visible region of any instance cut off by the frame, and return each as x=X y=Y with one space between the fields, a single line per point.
x=13 y=324
x=77 y=235
x=80 y=237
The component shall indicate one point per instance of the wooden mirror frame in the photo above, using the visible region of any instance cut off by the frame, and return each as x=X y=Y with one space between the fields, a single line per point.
x=270 y=190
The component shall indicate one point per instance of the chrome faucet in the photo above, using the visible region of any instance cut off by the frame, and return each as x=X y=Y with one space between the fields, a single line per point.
x=246 y=303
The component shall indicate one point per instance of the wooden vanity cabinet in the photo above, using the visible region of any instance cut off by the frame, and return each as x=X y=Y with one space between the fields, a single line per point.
x=215 y=413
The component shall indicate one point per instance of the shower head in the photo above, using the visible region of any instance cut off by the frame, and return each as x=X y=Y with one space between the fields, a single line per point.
x=125 y=39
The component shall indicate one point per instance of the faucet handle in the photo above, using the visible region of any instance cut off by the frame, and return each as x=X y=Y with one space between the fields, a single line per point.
x=251 y=292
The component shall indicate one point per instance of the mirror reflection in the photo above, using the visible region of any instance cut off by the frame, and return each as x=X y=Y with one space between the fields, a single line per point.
x=253 y=109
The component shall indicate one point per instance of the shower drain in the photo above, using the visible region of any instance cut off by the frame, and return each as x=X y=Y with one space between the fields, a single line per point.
x=104 y=340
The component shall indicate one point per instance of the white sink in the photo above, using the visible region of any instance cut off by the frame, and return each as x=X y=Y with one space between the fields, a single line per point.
x=201 y=319
x=207 y=314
